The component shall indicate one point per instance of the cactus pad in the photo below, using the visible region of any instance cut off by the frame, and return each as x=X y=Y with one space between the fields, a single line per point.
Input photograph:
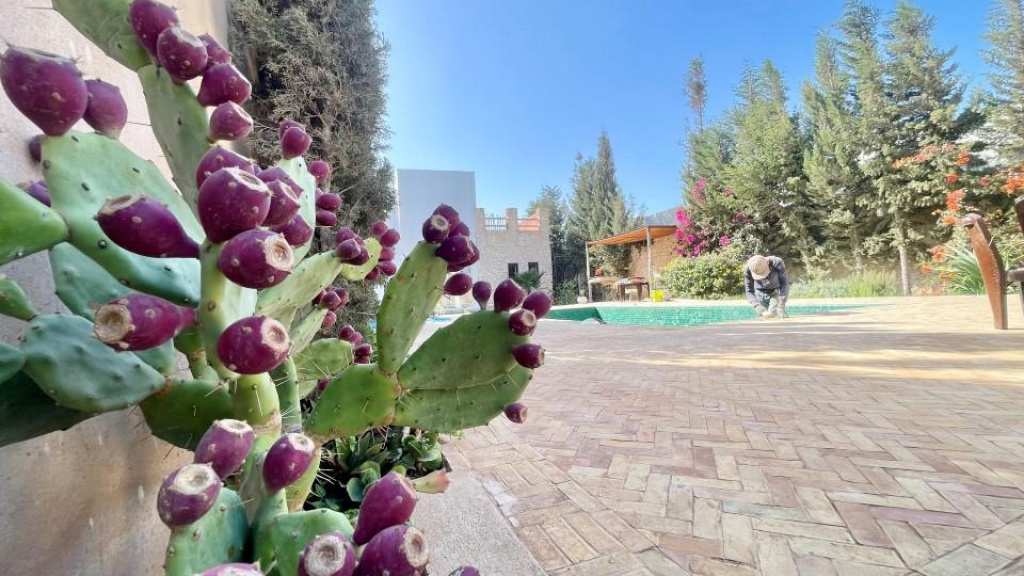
x=14 y=302
x=296 y=169
x=219 y=537
x=303 y=331
x=297 y=492
x=105 y=23
x=179 y=123
x=473 y=350
x=183 y=410
x=80 y=372
x=408 y=300
x=454 y=409
x=82 y=172
x=11 y=361
x=26 y=225
x=288 y=535
x=25 y=412
x=163 y=358
x=356 y=400
x=82 y=285
x=321 y=359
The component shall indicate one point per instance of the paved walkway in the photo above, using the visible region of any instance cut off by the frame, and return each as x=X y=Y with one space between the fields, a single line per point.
x=882 y=441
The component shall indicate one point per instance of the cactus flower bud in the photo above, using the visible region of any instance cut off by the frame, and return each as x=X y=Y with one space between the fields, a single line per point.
x=230 y=202
x=46 y=88
x=458 y=284
x=223 y=83
x=329 y=554
x=107 y=111
x=256 y=259
x=294 y=143
x=296 y=231
x=182 y=54
x=482 y=293
x=529 y=355
x=508 y=295
x=224 y=446
x=395 y=551
x=287 y=460
x=149 y=19
x=187 y=494
x=516 y=412
x=139 y=321
x=389 y=502
x=522 y=322
x=538 y=302
x=253 y=345
x=229 y=121
x=146 y=227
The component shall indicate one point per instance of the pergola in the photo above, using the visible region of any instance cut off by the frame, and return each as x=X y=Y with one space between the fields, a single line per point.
x=643 y=234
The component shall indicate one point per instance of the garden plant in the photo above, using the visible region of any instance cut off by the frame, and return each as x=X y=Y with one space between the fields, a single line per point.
x=213 y=273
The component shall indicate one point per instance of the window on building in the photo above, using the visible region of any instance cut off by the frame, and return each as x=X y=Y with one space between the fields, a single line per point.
x=513 y=269
x=533 y=267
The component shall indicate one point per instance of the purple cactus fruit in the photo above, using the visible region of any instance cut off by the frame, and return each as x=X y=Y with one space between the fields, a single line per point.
x=223 y=83
x=328 y=201
x=219 y=157
x=253 y=345
x=284 y=203
x=362 y=352
x=508 y=295
x=435 y=229
x=294 y=143
x=297 y=232
x=436 y=482
x=138 y=321
x=516 y=412
x=387 y=268
x=187 y=494
x=348 y=250
x=522 y=322
x=362 y=258
x=35 y=148
x=182 y=54
x=346 y=332
x=320 y=296
x=146 y=227
x=529 y=355
x=229 y=121
x=256 y=259
x=330 y=319
x=538 y=302
x=331 y=300
x=46 y=88
x=234 y=569
x=106 y=111
x=372 y=274
x=389 y=502
x=465 y=571
x=390 y=238
x=395 y=551
x=322 y=384
x=231 y=201
x=356 y=339
x=387 y=254
x=287 y=460
x=320 y=170
x=148 y=19
x=225 y=446
x=378 y=228
x=343 y=297
x=278 y=173
x=216 y=53
x=37 y=190
x=455 y=249
x=482 y=293
x=458 y=284
x=286 y=124
x=346 y=233
x=329 y=554
x=450 y=214
x=460 y=229
x=326 y=218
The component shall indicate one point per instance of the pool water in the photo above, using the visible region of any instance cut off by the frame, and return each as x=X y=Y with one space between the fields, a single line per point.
x=668 y=315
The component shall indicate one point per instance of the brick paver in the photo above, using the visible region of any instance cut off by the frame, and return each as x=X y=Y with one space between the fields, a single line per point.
x=887 y=440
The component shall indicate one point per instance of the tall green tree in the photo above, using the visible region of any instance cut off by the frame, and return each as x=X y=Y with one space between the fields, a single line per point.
x=1005 y=55
x=567 y=258
x=322 y=63
x=696 y=90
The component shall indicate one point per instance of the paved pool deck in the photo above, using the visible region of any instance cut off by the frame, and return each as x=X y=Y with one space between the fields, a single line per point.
x=876 y=441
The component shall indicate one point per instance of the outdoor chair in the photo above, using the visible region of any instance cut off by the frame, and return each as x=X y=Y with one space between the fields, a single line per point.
x=993 y=272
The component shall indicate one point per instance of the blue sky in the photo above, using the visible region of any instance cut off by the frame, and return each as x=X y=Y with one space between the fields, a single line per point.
x=513 y=89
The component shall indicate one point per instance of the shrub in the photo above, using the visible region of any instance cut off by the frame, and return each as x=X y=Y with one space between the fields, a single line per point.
x=566 y=292
x=858 y=285
x=710 y=276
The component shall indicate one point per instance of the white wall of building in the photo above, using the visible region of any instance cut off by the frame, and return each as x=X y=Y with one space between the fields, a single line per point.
x=419 y=193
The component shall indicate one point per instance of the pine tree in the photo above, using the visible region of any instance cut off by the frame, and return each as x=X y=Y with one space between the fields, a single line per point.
x=1005 y=55
x=567 y=258
x=696 y=91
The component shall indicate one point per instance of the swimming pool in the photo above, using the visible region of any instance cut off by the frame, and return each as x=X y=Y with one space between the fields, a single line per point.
x=669 y=315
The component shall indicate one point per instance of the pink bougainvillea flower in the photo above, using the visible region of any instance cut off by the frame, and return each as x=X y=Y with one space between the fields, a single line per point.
x=724 y=240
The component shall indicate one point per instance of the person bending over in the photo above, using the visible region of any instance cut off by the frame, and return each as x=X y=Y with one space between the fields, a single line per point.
x=767 y=285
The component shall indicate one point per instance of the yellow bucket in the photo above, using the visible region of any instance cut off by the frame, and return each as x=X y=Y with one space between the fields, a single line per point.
x=657 y=295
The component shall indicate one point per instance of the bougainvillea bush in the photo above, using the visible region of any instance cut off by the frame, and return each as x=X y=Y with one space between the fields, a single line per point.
x=212 y=273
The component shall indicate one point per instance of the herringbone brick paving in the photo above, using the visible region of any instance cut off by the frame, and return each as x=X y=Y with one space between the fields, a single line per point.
x=881 y=441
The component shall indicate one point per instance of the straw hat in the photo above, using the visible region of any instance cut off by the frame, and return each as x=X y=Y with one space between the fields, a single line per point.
x=758 y=266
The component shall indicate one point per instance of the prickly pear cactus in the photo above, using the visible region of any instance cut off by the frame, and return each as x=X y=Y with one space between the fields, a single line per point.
x=211 y=273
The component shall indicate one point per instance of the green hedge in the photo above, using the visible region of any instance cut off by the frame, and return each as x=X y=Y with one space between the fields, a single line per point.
x=709 y=276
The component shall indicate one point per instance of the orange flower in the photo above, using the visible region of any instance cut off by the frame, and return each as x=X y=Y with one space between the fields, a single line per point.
x=963 y=158
x=938 y=253
x=952 y=178
x=926 y=268
x=949 y=220
x=985 y=181
x=953 y=200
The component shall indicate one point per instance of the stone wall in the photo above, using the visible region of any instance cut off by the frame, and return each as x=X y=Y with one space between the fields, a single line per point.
x=82 y=502
x=517 y=241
